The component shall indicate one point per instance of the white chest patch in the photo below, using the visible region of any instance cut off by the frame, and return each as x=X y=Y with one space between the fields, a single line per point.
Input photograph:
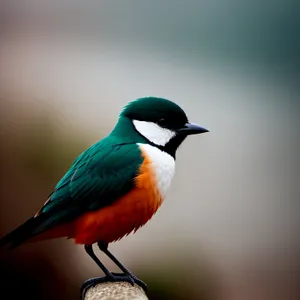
x=163 y=166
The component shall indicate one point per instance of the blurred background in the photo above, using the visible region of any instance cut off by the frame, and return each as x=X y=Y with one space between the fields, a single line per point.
x=229 y=228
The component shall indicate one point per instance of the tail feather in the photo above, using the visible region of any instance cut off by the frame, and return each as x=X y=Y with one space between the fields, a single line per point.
x=43 y=222
x=22 y=233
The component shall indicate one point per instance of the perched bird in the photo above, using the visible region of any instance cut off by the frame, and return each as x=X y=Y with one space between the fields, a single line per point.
x=115 y=186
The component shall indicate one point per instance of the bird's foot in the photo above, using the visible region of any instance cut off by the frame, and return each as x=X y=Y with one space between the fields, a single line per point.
x=90 y=283
x=137 y=281
x=112 y=277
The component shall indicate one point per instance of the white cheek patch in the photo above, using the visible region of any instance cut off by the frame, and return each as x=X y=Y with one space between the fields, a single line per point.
x=153 y=132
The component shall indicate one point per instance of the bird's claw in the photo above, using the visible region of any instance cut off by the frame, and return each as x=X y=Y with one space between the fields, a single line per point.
x=139 y=282
x=90 y=283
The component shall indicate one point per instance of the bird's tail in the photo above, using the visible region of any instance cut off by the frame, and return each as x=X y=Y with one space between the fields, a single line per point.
x=27 y=231
x=38 y=228
x=20 y=234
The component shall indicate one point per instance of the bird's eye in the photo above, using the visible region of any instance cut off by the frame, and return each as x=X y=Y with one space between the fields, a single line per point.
x=162 y=122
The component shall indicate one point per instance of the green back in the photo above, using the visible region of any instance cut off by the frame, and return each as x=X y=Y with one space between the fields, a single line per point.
x=99 y=176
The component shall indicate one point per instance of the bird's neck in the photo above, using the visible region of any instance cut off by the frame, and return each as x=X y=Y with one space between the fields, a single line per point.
x=125 y=131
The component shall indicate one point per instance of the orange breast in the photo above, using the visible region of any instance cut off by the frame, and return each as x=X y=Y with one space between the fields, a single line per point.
x=120 y=218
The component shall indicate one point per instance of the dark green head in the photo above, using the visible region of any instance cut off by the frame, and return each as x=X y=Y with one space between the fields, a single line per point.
x=158 y=121
x=157 y=110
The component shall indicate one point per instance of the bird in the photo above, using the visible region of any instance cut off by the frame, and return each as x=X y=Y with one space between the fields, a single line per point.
x=115 y=186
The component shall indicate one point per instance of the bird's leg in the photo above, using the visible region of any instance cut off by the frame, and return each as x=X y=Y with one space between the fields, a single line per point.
x=93 y=281
x=108 y=275
x=104 y=248
x=89 y=250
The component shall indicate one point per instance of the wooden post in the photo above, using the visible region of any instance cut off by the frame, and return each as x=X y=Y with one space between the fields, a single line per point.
x=115 y=291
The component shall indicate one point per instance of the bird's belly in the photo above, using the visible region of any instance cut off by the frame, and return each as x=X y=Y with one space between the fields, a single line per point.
x=125 y=215
x=117 y=220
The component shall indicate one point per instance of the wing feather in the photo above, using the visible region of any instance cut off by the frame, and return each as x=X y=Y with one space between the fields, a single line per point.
x=98 y=177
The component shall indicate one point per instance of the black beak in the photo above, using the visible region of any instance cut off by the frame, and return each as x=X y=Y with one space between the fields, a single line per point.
x=190 y=128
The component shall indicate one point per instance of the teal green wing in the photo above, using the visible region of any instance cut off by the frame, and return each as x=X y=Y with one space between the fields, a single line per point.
x=104 y=173
x=98 y=177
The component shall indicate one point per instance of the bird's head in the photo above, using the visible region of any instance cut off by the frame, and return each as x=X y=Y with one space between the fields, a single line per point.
x=159 y=121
